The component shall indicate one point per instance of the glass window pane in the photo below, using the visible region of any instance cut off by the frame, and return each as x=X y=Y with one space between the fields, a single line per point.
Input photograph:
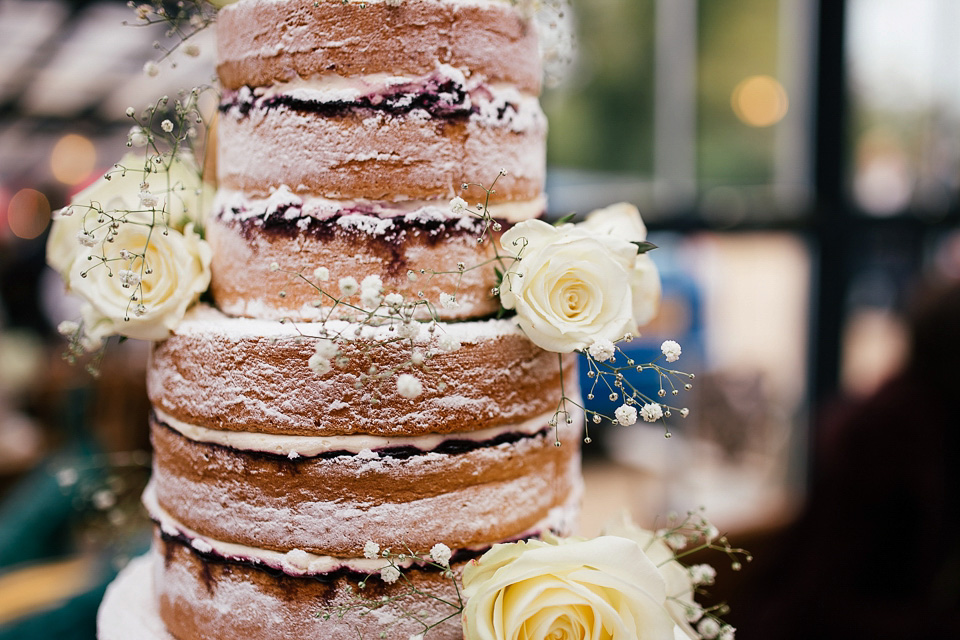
x=905 y=116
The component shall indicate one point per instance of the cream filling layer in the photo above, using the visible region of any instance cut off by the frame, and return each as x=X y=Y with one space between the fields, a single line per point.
x=297 y=562
x=311 y=446
x=212 y=325
x=333 y=87
x=232 y=205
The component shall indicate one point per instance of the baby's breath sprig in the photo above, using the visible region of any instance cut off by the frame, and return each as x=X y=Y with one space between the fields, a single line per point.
x=692 y=534
x=165 y=191
x=393 y=572
x=147 y=208
x=183 y=22
x=392 y=311
x=79 y=345
x=606 y=372
x=491 y=227
x=170 y=130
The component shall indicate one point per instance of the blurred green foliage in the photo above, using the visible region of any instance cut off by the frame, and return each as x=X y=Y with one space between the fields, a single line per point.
x=601 y=119
x=737 y=39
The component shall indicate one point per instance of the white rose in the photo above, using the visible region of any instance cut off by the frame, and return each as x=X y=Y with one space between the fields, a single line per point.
x=600 y=588
x=570 y=287
x=179 y=192
x=679 y=586
x=623 y=220
x=176 y=272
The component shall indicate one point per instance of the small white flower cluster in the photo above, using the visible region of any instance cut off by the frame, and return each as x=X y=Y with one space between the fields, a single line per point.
x=702 y=574
x=408 y=386
x=399 y=593
x=710 y=629
x=390 y=574
x=325 y=351
x=651 y=412
x=602 y=350
x=458 y=206
x=626 y=415
x=694 y=529
x=441 y=554
x=670 y=350
x=448 y=301
x=371 y=292
x=348 y=286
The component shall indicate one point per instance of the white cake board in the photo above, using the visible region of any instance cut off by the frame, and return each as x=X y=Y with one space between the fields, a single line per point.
x=129 y=608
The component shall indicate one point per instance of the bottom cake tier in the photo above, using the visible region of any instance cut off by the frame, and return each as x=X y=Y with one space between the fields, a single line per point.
x=203 y=596
x=176 y=593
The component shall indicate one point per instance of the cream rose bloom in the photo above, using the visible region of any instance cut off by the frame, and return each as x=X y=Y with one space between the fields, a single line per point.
x=622 y=220
x=679 y=586
x=180 y=194
x=602 y=589
x=574 y=284
x=171 y=278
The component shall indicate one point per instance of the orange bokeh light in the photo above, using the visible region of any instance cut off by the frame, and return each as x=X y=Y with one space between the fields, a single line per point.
x=73 y=159
x=28 y=214
x=759 y=101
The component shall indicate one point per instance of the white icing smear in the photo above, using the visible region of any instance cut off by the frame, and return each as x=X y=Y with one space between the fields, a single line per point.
x=232 y=205
x=333 y=87
x=297 y=562
x=362 y=445
x=206 y=321
x=129 y=609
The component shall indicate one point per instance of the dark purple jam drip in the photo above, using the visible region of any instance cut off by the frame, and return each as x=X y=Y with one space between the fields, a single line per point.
x=209 y=557
x=440 y=98
x=433 y=230
x=278 y=222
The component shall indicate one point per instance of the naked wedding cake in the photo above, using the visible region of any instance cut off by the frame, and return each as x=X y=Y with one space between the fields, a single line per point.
x=350 y=393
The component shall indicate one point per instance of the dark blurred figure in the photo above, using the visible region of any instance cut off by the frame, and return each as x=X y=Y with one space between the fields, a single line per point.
x=876 y=552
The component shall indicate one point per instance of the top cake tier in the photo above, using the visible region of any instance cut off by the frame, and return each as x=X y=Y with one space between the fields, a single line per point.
x=380 y=101
x=263 y=42
x=345 y=130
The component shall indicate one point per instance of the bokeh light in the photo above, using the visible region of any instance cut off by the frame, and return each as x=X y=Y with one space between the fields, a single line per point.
x=73 y=159
x=28 y=214
x=759 y=101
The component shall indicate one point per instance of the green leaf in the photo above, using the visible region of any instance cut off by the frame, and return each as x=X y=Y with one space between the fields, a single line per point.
x=643 y=247
x=565 y=219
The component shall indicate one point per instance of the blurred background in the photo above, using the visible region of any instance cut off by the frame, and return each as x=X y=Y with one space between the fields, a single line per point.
x=798 y=164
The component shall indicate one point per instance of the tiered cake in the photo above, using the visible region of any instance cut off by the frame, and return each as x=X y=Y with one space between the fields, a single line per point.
x=346 y=128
